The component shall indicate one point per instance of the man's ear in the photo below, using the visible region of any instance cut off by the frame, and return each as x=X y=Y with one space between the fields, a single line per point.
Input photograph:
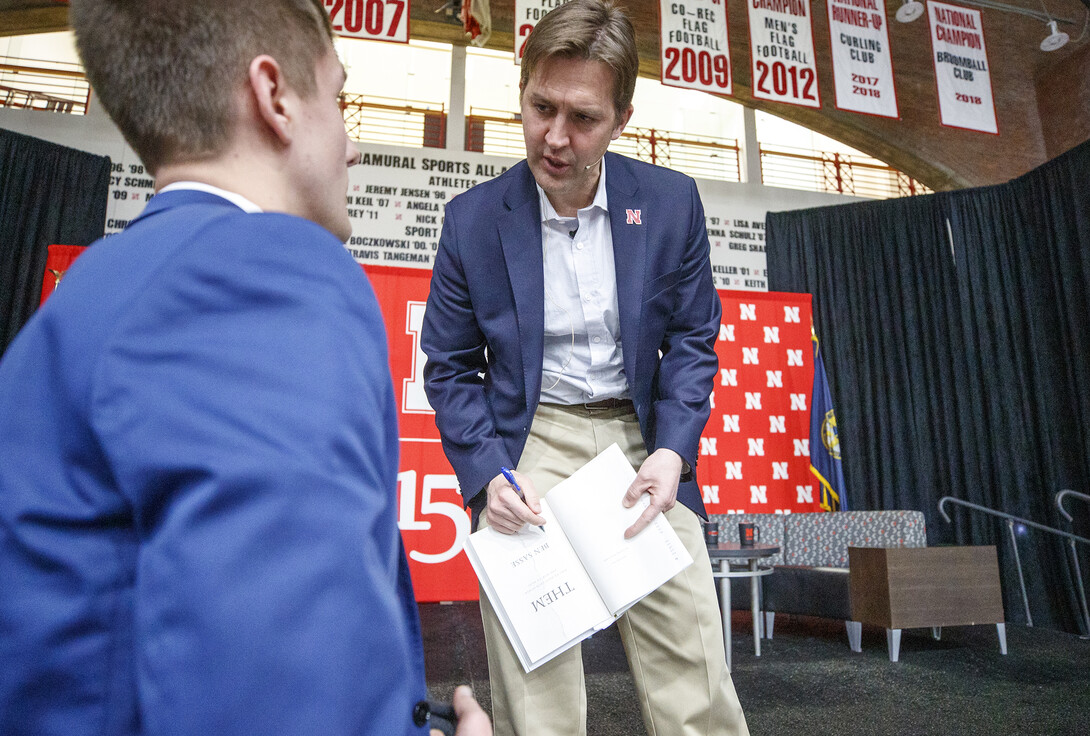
x=269 y=90
x=622 y=121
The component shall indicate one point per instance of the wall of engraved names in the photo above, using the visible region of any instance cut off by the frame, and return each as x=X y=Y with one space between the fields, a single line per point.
x=396 y=197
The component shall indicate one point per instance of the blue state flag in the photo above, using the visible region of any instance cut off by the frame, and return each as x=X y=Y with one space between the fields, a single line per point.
x=824 y=443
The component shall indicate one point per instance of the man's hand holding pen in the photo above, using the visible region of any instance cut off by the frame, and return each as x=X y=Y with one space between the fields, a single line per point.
x=512 y=502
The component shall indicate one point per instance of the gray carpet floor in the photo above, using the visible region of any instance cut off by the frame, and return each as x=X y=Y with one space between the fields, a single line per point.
x=808 y=682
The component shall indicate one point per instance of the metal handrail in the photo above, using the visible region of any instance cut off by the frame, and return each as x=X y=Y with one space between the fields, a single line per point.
x=1075 y=555
x=1011 y=520
x=1020 y=520
x=1068 y=492
x=855 y=174
x=499 y=132
x=55 y=86
x=394 y=122
x=75 y=73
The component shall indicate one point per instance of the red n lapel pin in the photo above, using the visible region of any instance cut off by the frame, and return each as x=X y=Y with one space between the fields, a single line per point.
x=633 y=217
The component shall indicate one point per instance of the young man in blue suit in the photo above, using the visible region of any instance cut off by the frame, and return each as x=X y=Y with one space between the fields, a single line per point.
x=571 y=307
x=197 y=494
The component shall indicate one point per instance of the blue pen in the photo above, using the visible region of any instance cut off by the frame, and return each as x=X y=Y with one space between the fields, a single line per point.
x=514 y=484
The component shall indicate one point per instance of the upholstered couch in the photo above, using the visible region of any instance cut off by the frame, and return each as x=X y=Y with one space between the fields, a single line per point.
x=811 y=571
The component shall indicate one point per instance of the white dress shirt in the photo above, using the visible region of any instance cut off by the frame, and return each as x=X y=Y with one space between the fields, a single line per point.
x=583 y=361
x=237 y=199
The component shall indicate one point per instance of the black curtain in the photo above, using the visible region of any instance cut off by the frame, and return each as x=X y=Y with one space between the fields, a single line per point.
x=48 y=194
x=954 y=330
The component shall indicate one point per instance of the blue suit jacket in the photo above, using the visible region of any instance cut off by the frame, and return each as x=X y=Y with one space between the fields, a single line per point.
x=485 y=315
x=197 y=494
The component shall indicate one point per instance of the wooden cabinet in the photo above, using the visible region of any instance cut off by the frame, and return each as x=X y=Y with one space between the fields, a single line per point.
x=906 y=588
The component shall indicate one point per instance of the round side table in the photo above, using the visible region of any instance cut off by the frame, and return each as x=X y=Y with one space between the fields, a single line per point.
x=732 y=553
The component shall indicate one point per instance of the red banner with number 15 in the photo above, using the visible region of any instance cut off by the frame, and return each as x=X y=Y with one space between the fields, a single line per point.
x=378 y=20
x=433 y=523
x=754 y=451
x=695 y=53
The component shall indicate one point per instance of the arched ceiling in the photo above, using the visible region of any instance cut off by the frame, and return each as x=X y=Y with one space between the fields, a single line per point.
x=1042 y=99
x=941 y=157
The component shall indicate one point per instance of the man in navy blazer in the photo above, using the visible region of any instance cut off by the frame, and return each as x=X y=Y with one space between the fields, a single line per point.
x=198 y=529
x=488 y=291
x=572 y=306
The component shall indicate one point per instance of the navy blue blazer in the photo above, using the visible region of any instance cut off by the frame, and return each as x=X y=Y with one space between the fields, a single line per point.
x=198 y=528
x=483 y=328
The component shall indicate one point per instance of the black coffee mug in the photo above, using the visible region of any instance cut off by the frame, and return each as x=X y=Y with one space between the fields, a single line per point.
x=748 y=534
x=711 y=533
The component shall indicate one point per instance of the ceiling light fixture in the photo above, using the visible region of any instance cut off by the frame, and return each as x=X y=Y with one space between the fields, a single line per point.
x=1056 y=38
x=909 y=11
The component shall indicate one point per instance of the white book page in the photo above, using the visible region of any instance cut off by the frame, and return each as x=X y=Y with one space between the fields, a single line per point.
x=545 y=598
x=588 y=505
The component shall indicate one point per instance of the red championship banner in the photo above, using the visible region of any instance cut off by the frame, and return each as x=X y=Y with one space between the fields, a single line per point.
x=56 y=265
x=862 y=62
x=754 y=453
x=694 y=50
x=527 y=14
x=961 y=68
x=378 y=20
x=781 y=44
x=432 y=520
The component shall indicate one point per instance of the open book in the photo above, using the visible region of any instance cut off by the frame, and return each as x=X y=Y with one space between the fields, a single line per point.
x=554 y=589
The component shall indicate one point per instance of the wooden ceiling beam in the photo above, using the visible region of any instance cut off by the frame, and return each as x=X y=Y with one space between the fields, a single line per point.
x=33 y=20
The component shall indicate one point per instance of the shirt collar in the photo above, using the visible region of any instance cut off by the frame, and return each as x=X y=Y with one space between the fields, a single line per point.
x=237 y=199
x=548 y=212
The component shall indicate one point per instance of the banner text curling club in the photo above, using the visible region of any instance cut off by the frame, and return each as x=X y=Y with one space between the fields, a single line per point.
x=694 y=50
x=781 y=45
x=962 y=72
x=862 y=61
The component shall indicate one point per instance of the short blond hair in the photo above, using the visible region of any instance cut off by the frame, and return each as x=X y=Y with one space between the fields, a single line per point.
x=594 y=30
x=167 y=71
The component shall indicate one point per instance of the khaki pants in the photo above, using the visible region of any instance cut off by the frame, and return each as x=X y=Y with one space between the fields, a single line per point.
x=673 y=638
